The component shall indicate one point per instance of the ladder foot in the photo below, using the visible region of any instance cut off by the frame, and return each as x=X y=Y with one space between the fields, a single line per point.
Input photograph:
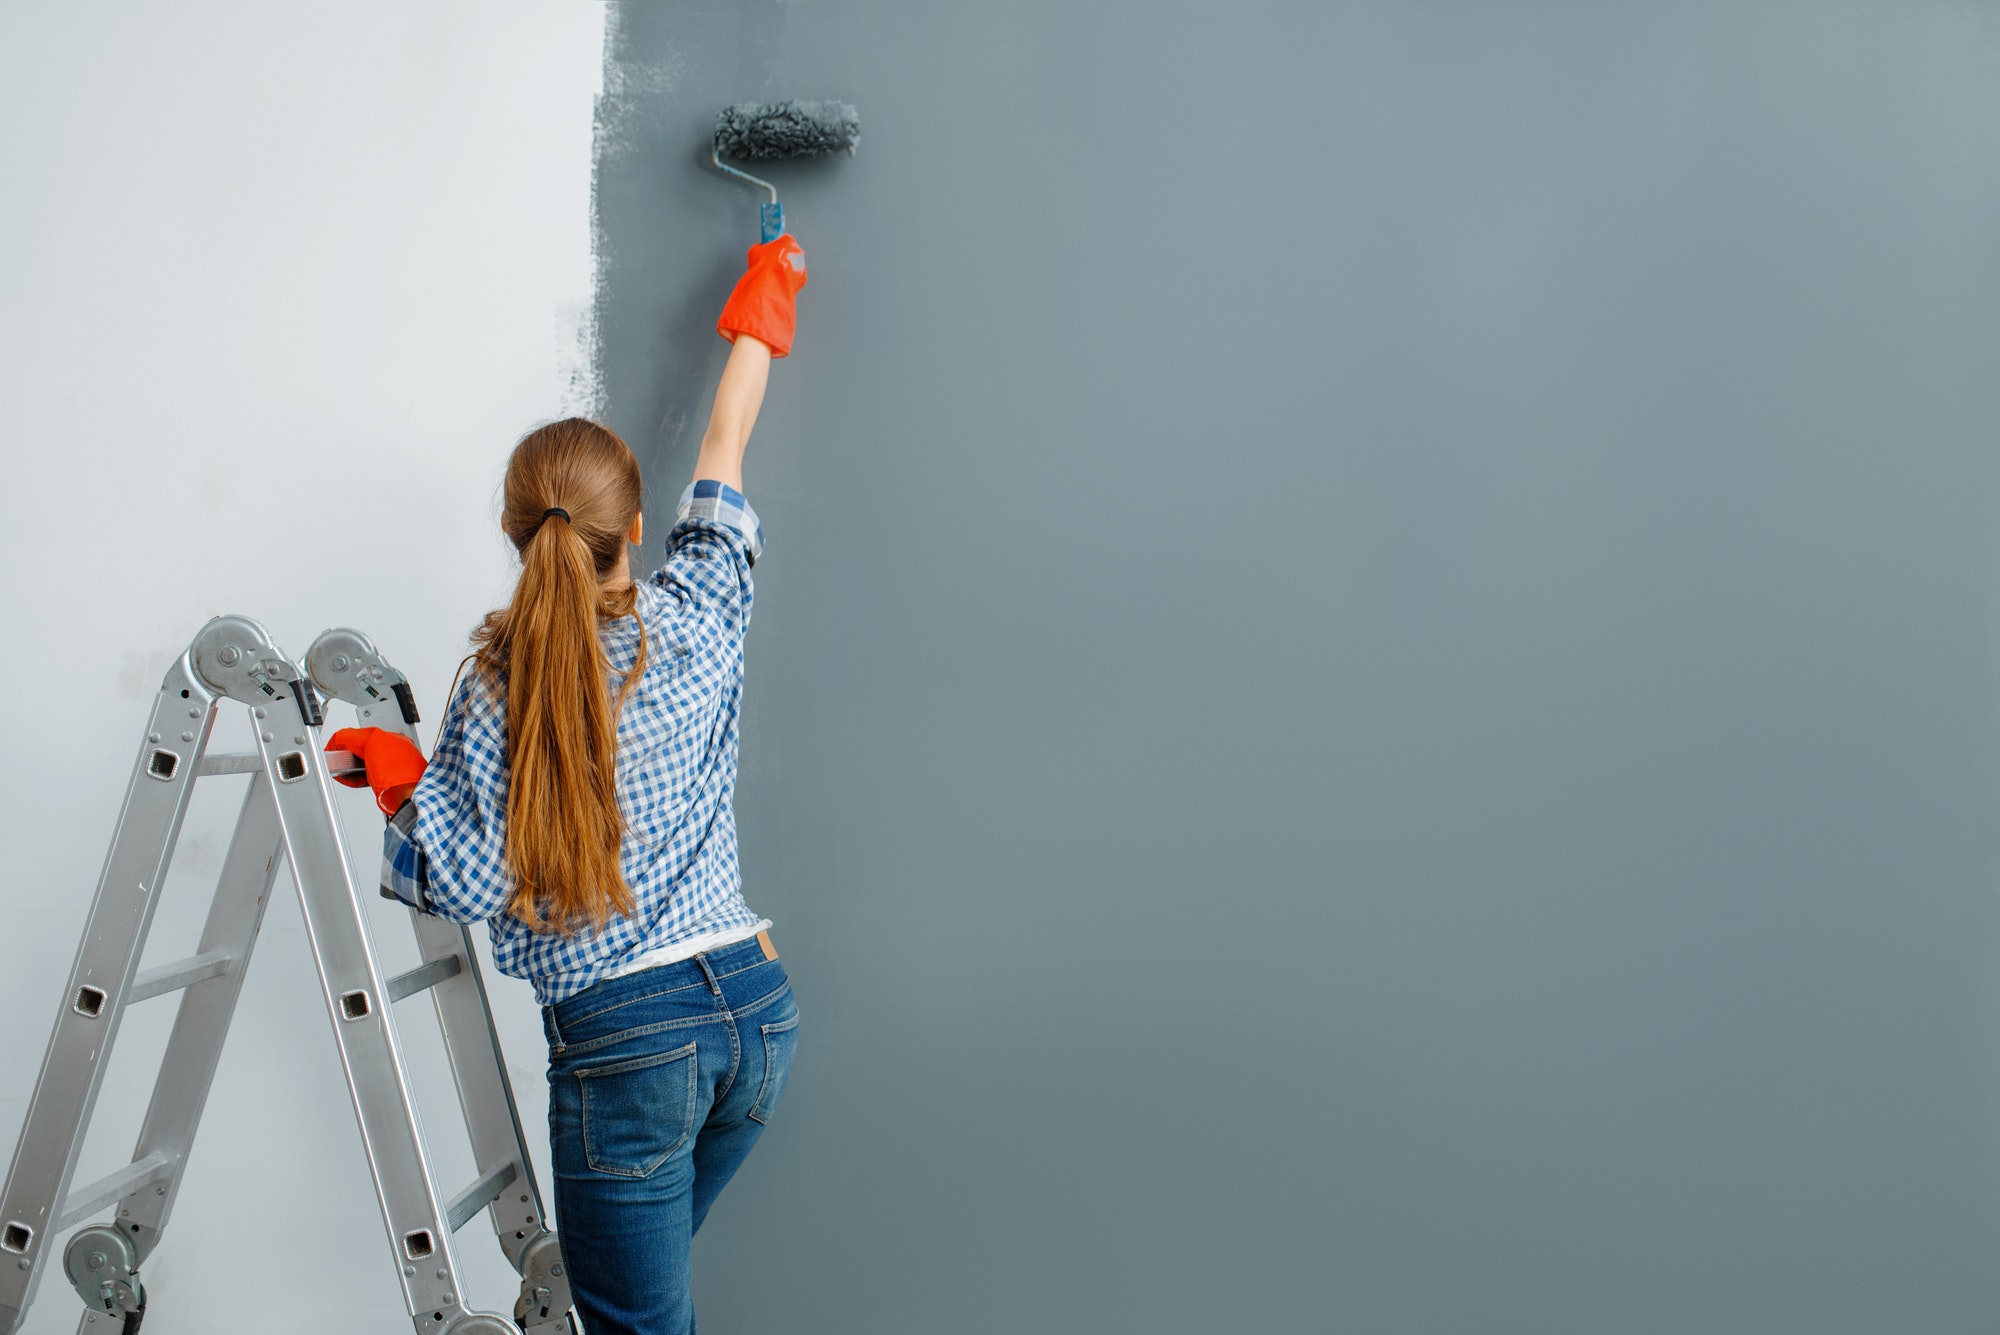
x=111 y=1323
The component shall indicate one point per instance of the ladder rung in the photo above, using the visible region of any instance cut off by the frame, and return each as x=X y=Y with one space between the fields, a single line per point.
x=117 y=1186
x=181 y=973
x=478 y=1196
x=421 y=977
x=340 y=764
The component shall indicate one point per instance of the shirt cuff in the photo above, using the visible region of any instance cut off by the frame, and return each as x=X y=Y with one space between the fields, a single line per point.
x=708 y=499
x=405 y=869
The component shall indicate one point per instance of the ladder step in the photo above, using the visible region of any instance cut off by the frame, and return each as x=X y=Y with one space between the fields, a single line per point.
x=86 y=1201
x=179 y=974
x=478 y=1196
x=421 y=977
x=340 y=764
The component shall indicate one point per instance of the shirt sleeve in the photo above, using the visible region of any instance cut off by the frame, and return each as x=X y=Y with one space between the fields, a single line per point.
x=715 y=540
x=460 y=831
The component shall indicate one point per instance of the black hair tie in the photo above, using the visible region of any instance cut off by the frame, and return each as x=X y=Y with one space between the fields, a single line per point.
x=556 y=510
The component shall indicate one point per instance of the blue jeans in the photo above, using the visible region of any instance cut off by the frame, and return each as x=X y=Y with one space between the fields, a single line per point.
x=659 y=1084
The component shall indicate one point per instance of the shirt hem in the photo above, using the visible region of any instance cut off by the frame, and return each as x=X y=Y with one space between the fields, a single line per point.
x=675 y=952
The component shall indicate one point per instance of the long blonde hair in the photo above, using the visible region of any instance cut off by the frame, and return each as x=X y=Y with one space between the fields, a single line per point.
x=564 y=829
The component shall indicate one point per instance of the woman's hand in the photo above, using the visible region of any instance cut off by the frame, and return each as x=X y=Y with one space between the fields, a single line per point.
x=763 y=304
x=393 y=763
x=760 y=320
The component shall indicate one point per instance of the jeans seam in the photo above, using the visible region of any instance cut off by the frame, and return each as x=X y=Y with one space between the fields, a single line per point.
x=735 y=1059
x=638 y=1031
x=758 y=964
x=763 y=1001
x=630 y=1001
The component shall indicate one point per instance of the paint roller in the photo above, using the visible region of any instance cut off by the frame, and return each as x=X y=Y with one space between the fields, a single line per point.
x=772 y=131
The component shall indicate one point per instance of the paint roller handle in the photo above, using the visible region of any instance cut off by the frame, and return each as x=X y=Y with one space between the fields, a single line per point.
x=771 y=217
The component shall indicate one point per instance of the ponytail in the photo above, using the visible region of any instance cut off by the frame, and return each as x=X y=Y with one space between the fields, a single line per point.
x=571 y=494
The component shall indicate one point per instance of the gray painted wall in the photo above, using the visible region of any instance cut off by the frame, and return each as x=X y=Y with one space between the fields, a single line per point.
x=1372 y=704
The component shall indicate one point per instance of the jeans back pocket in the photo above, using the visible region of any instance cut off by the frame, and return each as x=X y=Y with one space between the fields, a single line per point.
x=781 y=1044
x=636 y=1113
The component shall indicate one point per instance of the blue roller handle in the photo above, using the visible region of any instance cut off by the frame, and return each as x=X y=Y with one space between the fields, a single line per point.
x=772 y=216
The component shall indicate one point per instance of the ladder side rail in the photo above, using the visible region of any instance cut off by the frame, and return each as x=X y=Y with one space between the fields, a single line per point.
x=363 y=1024
x=187 y=1070
x=93 y=1004
x=485 y=1094
x=345 y=664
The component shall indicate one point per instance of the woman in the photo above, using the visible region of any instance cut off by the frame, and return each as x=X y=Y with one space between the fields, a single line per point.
x=578 y=801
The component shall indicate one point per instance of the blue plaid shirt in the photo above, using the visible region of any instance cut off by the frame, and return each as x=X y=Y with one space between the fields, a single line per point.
x=677 y=736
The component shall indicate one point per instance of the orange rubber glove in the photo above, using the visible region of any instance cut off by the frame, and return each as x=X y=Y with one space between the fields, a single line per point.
x=393 y=762
x=762 y=306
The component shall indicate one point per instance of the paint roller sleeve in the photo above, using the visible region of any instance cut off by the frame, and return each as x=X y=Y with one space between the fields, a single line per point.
x=762 y=304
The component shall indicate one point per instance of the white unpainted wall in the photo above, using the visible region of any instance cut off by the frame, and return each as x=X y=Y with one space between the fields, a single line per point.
x=281 y=285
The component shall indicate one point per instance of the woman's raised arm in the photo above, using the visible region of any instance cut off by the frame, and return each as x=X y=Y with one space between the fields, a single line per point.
x=759 y=319
x=737 y=399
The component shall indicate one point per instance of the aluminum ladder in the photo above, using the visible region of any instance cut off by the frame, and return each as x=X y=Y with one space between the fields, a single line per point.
x=288 y=811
